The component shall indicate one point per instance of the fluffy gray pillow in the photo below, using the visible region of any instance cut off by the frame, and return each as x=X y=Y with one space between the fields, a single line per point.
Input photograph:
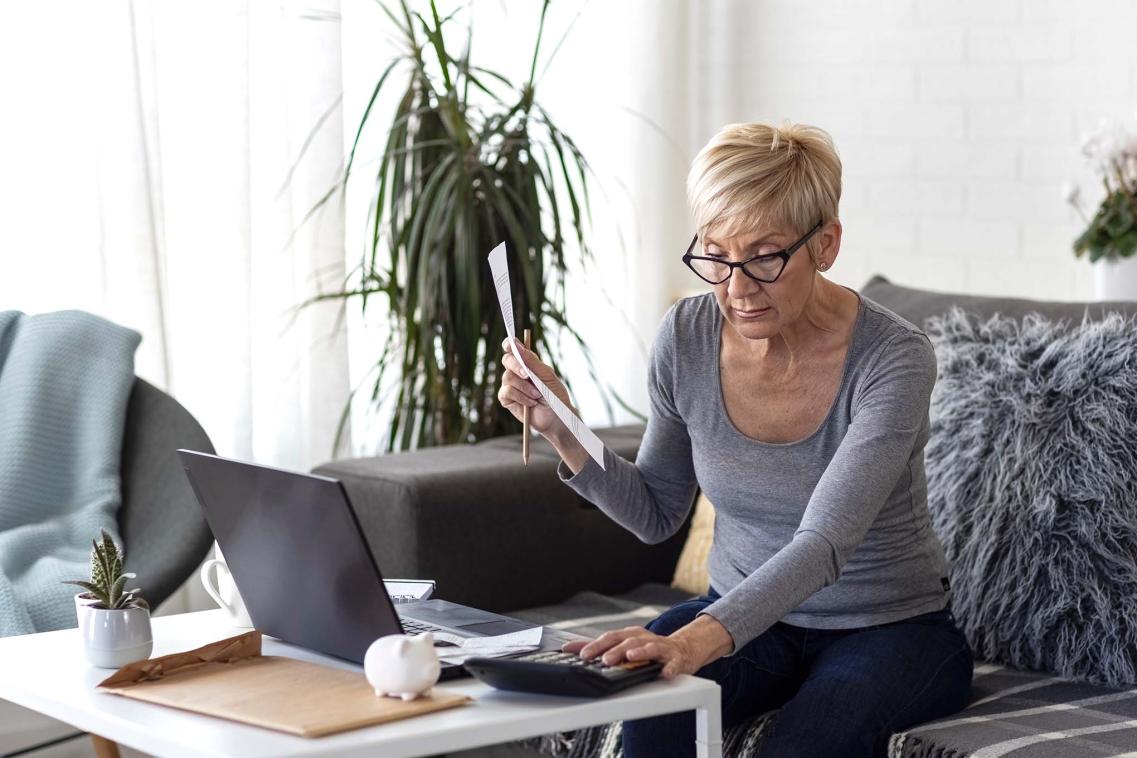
x=1032 y=485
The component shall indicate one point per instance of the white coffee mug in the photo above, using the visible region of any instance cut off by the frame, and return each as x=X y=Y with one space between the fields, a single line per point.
x=225 y=594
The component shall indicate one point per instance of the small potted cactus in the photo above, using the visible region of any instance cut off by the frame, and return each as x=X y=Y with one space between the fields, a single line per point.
x=114 y=622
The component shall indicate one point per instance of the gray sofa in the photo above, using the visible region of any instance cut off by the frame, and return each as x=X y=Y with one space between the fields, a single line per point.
x=495 y=533
x=508 y=537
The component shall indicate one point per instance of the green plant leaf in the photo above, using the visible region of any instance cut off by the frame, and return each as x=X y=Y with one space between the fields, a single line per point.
x=98 y=576
x=104 y=565
x=87 y=586
x=1127 y=244
x=328 y=112
x=1098 y=250
x=115 y=594
x=113 y=561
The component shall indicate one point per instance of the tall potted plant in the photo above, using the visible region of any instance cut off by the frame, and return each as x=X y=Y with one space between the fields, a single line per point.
x=469 y=160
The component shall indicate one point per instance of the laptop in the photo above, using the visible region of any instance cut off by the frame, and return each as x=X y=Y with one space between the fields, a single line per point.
x=296 y=551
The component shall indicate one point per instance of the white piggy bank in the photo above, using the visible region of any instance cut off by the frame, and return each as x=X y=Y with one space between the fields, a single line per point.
x=402 y=666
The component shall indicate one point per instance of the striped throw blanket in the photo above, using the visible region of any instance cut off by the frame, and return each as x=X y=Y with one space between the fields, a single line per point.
x=1013 y=714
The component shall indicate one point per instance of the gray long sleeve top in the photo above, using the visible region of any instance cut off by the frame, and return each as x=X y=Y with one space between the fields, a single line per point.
x=831 y=531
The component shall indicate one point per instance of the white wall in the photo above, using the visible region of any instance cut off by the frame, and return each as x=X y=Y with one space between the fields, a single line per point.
x=958 y=124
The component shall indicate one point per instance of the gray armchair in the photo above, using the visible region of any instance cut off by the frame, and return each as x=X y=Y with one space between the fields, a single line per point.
x=164 y=534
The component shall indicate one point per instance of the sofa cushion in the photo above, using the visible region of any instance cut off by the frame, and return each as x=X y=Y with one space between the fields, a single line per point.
x=1029 y=713
x=692 y=573
x=1032 y=487
x=918 y=305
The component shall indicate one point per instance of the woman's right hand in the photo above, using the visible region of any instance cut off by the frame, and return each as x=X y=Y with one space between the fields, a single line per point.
x=517 y=392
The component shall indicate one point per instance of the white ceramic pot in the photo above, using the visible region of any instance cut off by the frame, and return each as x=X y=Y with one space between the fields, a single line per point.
x=82 y=600
x=1115 y=279
x=113 y=638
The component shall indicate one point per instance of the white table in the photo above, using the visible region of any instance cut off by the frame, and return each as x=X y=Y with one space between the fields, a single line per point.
x=48 y=673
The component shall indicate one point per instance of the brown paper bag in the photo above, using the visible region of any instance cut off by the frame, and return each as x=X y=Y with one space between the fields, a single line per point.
x=230 y=679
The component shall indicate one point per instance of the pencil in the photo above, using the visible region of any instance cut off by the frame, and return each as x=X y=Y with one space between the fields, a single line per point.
x=525 y=419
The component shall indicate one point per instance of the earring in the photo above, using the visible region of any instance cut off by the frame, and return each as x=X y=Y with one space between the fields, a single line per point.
x=822 y=266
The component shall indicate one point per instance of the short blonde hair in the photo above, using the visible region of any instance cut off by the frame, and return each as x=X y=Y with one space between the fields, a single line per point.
x=756 y=175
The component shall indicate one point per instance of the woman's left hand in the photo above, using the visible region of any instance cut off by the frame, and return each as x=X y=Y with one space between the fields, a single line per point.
x=634 y=644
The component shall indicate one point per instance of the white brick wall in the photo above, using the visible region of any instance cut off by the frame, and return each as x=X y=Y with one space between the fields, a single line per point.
x=958 y=123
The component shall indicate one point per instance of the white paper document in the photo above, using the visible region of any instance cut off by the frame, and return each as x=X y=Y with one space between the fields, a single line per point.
x=499 y=267
x=487 y=647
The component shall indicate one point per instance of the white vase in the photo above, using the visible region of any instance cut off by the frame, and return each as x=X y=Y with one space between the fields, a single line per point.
x=115 y=638
x=1115 y=278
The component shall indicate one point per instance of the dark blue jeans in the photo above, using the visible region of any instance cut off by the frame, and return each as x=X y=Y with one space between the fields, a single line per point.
x=841 y=692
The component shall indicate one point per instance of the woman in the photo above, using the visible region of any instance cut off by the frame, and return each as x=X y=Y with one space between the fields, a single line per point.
x=801 y=410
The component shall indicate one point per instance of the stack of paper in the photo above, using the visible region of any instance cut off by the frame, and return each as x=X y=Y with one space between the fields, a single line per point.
x=487 y=647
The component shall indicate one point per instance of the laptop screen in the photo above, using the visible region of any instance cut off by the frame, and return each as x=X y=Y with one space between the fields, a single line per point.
x=296 y=552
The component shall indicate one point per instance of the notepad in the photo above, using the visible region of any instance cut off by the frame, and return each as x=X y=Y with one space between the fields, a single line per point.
x=230 y=679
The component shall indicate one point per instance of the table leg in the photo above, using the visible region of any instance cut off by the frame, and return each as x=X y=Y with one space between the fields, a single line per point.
x=104 y=748
x=708 y=728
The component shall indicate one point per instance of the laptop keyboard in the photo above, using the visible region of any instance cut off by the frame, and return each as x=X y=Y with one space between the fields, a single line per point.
x=417 y=627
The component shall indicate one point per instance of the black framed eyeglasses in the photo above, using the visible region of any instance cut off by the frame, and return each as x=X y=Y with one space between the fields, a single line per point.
x=764 y=268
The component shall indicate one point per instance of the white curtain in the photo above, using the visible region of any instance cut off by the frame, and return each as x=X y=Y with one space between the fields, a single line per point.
x=147 y=151
x=152 y=174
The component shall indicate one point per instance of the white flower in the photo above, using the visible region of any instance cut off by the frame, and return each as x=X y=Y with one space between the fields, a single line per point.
x=1108 y=144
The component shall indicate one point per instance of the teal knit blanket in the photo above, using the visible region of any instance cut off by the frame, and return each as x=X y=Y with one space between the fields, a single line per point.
x=65 y=379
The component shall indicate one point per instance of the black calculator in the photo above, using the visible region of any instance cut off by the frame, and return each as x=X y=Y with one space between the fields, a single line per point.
x=552 y=672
